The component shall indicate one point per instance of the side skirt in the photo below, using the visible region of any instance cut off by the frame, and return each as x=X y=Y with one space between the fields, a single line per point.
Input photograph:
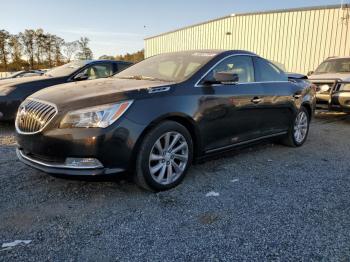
x=215 y=150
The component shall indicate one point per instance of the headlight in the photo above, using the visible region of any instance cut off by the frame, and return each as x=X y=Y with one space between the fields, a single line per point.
x=345 y=87
x=324 y=88
x=97 y=116
x=6 y=90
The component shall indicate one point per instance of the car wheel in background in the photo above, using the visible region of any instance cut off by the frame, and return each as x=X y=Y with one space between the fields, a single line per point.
x=164 y=157
x=299 y=131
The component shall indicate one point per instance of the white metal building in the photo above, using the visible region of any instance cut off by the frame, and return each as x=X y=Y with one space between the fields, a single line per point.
x=298 y=38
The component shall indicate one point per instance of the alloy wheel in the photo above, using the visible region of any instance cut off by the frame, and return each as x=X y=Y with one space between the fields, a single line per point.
x=301 y=127
x=168 y=158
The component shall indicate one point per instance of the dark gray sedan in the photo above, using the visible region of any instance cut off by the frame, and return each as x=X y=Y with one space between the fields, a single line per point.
x=14 y=91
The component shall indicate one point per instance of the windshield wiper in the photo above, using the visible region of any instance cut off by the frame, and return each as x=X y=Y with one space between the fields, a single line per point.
x=140 y=77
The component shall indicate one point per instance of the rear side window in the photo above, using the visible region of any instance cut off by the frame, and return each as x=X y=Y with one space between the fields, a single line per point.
x=122 y=66
x=266 y=71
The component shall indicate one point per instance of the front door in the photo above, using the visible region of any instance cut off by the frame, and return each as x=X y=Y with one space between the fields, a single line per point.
x=230 y=112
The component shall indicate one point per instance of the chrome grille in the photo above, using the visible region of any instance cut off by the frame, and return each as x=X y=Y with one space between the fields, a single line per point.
x=33 y=116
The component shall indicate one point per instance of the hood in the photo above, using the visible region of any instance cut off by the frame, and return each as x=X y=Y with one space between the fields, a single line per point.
x=296 y=76
x=21 y=80
x=342 y=76
x=94 y=92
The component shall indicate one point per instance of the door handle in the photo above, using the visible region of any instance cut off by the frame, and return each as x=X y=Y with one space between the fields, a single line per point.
x=256 y=100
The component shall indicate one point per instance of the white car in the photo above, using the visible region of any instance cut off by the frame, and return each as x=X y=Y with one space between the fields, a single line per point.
x=332 y=78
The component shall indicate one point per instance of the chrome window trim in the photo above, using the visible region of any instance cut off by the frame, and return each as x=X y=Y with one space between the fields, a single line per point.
x=243 y=83
x=62 y=166
x=41 y=129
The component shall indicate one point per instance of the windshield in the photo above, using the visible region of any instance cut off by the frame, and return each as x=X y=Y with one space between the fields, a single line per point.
x=66 y=70
x=172 y=67
x=334 y=66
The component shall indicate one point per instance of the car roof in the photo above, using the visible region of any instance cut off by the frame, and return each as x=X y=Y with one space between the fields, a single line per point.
x=212 y=52
x=106 y=60
x=338 y=57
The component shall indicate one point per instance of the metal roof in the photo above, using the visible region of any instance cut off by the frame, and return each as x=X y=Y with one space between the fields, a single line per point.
x=256 y=13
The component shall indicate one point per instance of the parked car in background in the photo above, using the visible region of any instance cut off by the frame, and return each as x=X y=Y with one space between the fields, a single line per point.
x=155 y=117
x=25 y=74
x=14 y=91
x=332 y=78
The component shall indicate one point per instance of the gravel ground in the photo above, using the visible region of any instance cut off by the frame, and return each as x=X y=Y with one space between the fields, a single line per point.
x=274 y=204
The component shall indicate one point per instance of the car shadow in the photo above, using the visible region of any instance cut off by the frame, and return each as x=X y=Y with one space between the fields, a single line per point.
x=330 y=116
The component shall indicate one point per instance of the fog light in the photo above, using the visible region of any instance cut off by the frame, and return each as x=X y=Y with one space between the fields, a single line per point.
x=83 y=163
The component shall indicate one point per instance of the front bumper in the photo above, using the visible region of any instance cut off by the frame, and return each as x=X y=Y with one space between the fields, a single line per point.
x=49 y=150
x=334 y=99
x=62 y=169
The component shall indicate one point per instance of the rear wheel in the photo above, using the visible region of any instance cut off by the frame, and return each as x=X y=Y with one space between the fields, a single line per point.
x=299 y=131
x=164 y=157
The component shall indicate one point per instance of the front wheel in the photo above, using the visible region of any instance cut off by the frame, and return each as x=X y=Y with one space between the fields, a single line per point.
x=299 y=131
x=164 y=157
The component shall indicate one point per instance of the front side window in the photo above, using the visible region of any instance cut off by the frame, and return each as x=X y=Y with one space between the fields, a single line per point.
x=242 y=66
x=98 y=71
x=266 y=71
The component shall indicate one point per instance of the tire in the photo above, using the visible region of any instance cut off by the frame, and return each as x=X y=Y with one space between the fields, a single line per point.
x=158 y=169
x=292 y=139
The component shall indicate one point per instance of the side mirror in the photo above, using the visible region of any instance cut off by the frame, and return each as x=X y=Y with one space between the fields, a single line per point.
x=310 y=73
x=81 y=76
x=226 y=77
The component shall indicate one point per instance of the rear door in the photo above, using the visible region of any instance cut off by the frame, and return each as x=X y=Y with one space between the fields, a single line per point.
x=278 y=101
x=230 y=112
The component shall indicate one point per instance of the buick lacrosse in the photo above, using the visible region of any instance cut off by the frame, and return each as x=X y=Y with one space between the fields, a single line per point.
x=158 y=116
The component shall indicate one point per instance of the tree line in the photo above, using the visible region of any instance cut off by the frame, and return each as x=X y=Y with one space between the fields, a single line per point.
x=133 y=57
x=36 y=49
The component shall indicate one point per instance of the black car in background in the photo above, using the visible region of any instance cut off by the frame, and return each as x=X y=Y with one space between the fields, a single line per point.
x=14 y=91
x=157 y=116
x=28 y=73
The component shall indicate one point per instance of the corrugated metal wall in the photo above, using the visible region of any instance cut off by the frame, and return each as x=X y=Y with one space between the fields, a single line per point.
x=299 y=38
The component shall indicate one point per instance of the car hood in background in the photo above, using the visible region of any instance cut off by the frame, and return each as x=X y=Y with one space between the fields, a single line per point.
x=21 y=80
x=94 y=92
x=344 y=77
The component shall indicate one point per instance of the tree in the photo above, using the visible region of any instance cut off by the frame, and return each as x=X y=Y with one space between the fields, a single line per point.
x=15 y=50
x=85 y=52
x=4 y=47
x=58 y=44
x=134 y=57
x=28 y=41
x=39 y=47
x=69 y=49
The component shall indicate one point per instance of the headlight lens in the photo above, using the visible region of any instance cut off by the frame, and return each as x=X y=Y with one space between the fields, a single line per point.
x=97 y=116
x=324 y=88
x=345 y=87
x=5 y=90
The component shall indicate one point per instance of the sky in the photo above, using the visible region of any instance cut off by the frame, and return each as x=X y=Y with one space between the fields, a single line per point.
x=119 y=26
